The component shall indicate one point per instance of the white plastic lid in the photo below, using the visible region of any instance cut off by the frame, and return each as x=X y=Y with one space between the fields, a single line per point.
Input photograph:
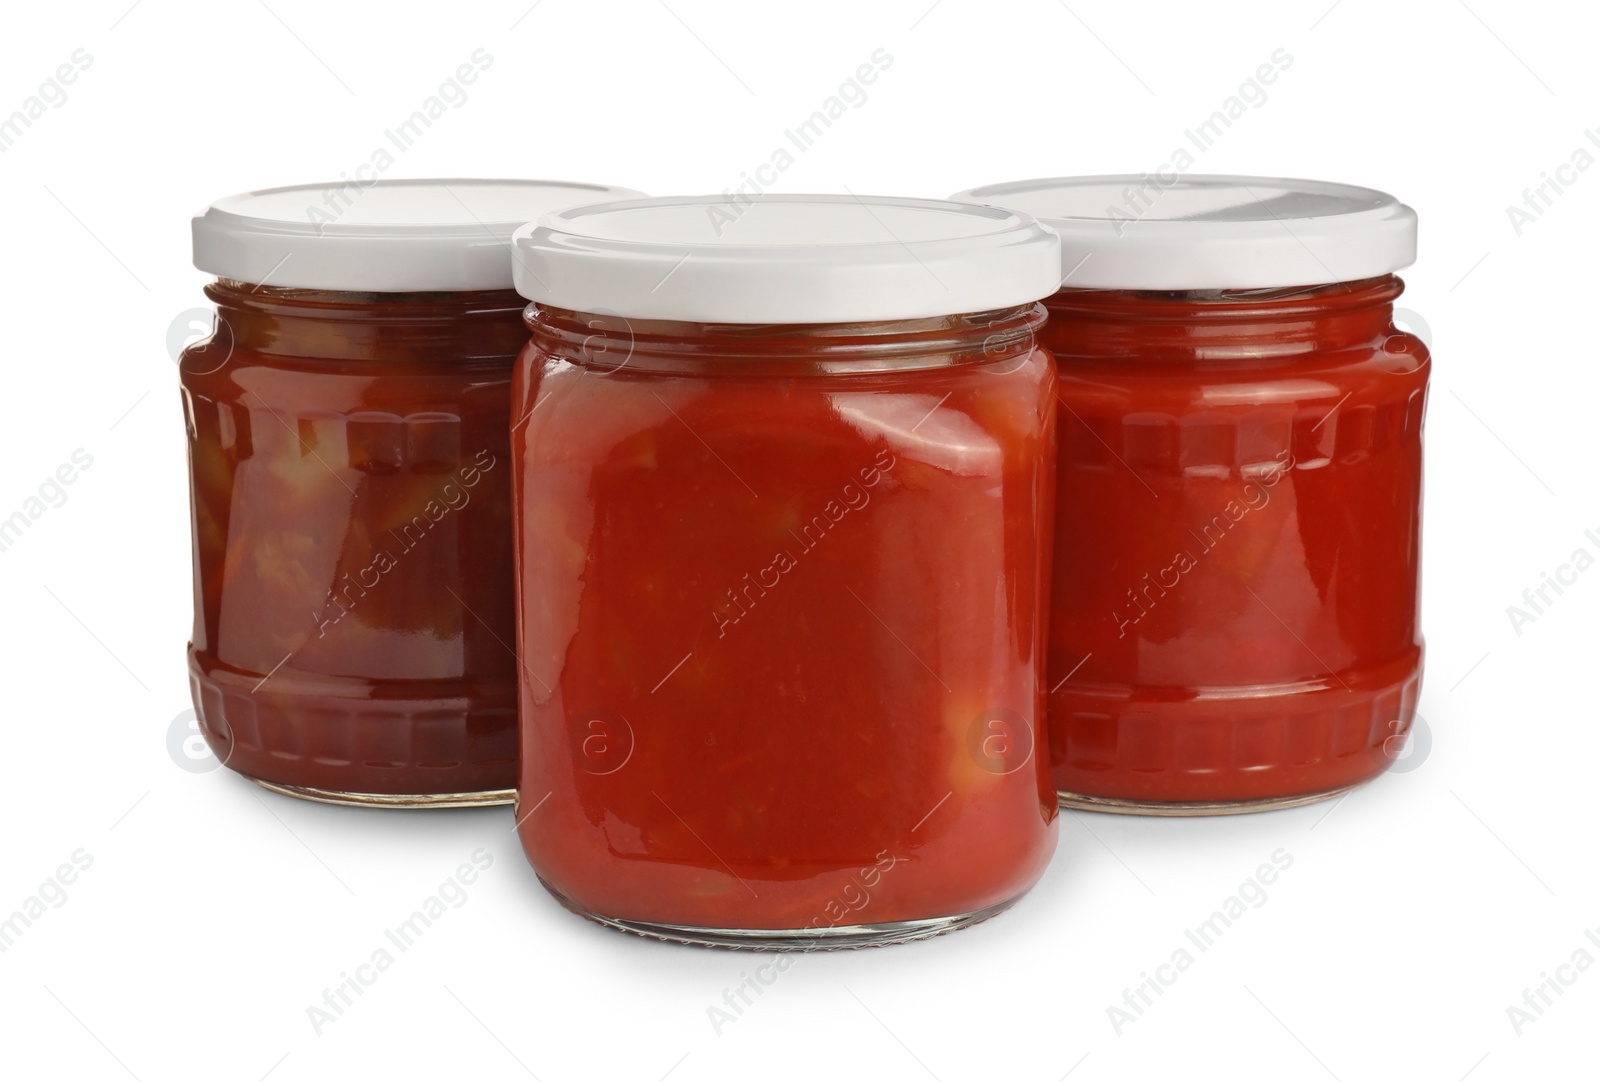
x=387 y=236
x=785 y=259
x=1213 y=232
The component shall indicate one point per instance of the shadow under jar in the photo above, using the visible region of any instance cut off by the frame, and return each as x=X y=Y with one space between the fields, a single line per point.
x=349 y=460
x=1235 y=616
x=783 y=516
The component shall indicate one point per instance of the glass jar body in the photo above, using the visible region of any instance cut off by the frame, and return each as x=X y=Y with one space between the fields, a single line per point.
x=351 y=496
x=781 y=607
x=1235 y=609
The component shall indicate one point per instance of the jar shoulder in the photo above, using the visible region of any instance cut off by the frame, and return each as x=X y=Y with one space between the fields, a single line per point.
x=574 y=412
x=1391 y=371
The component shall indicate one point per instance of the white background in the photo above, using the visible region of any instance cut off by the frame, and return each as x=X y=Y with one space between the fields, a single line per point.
x=213 y=915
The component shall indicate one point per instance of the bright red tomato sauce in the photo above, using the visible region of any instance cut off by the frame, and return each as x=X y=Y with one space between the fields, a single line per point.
x=1234 y=617
x=780 y=611
x=351 y=496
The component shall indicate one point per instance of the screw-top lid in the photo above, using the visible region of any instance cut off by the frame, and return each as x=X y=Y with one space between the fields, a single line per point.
x=785 y=259
x=384 y=236
x=1213 y=232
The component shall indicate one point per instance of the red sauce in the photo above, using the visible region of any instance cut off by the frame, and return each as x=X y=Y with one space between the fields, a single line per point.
x=351 y=496
x=1234 y=616
x=780 y=607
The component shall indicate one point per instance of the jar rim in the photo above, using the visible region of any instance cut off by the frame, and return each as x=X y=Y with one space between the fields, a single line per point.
x=610 y=343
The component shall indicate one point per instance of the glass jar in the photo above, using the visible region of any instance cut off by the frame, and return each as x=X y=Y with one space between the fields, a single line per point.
x=1234 y=623
x=348 y=447
x=783 y=509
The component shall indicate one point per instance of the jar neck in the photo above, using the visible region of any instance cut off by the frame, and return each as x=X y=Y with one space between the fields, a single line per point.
x=1221 y=325
x=608 y=343
x=450 y=328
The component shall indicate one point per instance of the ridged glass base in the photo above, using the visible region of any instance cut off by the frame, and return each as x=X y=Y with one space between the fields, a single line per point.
x=836 y=937
x=1120 y=806
x=391 y=800
x=351 y=740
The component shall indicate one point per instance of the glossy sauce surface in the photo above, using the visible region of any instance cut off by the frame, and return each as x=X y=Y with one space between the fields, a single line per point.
x=1235 y=604
x=780 y=612
x=351 y=499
